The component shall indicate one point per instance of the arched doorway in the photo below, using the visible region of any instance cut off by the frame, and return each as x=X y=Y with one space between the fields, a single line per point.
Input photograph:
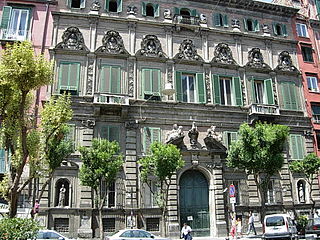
x=194 y=202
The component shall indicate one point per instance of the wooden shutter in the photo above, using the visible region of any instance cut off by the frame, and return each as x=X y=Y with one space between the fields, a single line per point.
x=284 y=30
x=216 y=89
x=143 y=9
x=176 y=11
x=278 y=191
x=71 y=136
x=233 y=137
x=245 y=24
x=82 y=3
x=253 y=91
x=225 y=21
x=104 y=79
x=156 y=10
x=296 y=147
x=290 y=97
x=6 y=12
x=269 y=90
x=256 y=25
x=146 y=81
x=74 y=75
x=115 y=86
x=110 y=132
x=201 y=88
x=216 y=20
x=294 y=98
x=107 y=5
x=236 y=84
x=179 y=93
x=150 y=135
x=274 y=28
x=318 y=8
x=155 y=81
x=244 y=196
x=63 y=76
x=194 y=12
x=119 y=6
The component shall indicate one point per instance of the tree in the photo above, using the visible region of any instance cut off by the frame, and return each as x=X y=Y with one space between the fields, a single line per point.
x=162 y=163
x=259 y=151
x=309 y=166
x=18 y=229
x=21 y=72
x=101 y=164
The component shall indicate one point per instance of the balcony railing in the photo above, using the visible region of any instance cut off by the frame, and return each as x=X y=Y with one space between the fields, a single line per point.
x=105 y=98
x=257 y=108
x=13 y=34
x=191 y=20
x=316 y=118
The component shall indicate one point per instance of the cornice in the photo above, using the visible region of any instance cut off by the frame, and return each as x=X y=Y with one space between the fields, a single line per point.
x=51 y=2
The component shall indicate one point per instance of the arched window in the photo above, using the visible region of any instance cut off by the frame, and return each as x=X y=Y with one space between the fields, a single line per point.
x=62 y=193
x=149 y=10
x=278 y=30
x=75 y=3
x=185 y=12
x=250 y=25
x=113 y=6
x=301 y=189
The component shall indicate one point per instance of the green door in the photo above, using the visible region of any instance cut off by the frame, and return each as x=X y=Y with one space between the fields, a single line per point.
x=194 y=202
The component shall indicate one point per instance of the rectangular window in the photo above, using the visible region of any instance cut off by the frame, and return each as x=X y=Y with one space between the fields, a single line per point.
x=270 y=197
x=279 y=29
x=190 y=87
x=151 y=83
x=227 y=90
x=150 y=9
x=307 y=53
x=220 y=20
x=290 y=98
x=153 y=224
x=229 y=138
x=262 y=91
x=110 y=192
x=150 y=194
x=251 y=25
x=60 y=225
x=296 y=147
x=109 y=132
x=114 y=6
x=150 y=135
x=109 y=225
x=315 y=113
x=302 y=30
x=15 y=23
x=69 y=77
x=110 y=79
x=76 y=3
x=313 y=83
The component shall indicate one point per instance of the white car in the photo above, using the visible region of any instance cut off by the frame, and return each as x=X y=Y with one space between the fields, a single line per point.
x=279 y=226
x=50 y=234
x=134 y=234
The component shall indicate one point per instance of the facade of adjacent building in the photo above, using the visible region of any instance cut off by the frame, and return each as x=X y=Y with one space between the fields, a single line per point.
x=228 y=63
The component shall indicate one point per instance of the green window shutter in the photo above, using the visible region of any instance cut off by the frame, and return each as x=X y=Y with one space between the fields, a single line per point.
x=256 y=25
x=2 y=161
x=143 y=10
x=176 y=11
x=107 y=5
x=71 y=135
x=216 y=89
x=82 y=3
x=236 y=84
x=245 y=24
x=274 y=27
x=63 y=76
x=146 y=81
x=68 y=3
x=285 y=95
x=300 y=145
x=201 y=88
x=225 y=139
x=6 y=12
x=114 y=133
x=293 y=96
x=104 y=132
x=179 y=94
x=151 y=81
x=156 y=10
x=284 y=30
x=233 y=137
x=225 y=21
x=296 y=147
x=318 y=8
x=269 y=91
x=74 y=76
x=216 y=20
x=104 y=79
x=156 y=135
x=156 y=77
x=150 y=135
x=115 y=80
x=290 y=97
x=194 y=12
x=253 y=91
x=119 y=6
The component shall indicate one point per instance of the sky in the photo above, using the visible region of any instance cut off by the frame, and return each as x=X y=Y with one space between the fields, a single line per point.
x=266 y=1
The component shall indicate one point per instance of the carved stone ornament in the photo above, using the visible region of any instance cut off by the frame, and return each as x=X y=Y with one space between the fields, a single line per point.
x=203 y=19
x=151 y=47
x=72 y=39
x=112 y=43
x=175 y=136
x=223 y=54
x=256 y=59
x=89 y=123
x=132 y=10
x=95 y=6
x=193 y=134
x=167 y=14
x=187 y=51
x=235 y=23
x=285 y=63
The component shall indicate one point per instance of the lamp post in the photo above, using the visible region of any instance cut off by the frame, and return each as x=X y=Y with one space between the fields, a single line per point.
x=226 y=212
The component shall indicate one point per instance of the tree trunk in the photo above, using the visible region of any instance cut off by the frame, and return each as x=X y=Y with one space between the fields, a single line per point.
x=100 y=224
x=261 y=193
x=310 y=197
x=14 y=196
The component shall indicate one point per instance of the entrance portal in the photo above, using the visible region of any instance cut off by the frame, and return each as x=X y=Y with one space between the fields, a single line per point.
x=194 y=202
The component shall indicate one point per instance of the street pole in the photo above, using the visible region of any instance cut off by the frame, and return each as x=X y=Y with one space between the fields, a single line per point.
x=131 y=213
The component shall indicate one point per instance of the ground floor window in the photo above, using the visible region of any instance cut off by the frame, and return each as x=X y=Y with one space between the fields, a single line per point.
x=153 y=224
x=109 y=224
x=61 y=225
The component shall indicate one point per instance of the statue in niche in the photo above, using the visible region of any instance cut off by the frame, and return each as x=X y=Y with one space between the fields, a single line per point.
x=285 y=62
x=211 y=133
x=301 y=192
x=203 y=19
x=223 y=54
x=175 y=136
x=72 y=39
x=167 y=14
x=62 y=196
x=188 y=51
x=193 y=135
x=151 y=47
x=256 y=59
x=112 y=43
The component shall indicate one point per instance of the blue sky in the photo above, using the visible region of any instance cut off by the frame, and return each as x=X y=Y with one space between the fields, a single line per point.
x=265 y=0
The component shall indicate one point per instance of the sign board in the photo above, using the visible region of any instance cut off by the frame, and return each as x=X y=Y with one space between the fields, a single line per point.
x=232 y=200
x=232 y=191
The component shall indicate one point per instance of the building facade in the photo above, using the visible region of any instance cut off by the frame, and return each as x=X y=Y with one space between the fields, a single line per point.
x=228 y=63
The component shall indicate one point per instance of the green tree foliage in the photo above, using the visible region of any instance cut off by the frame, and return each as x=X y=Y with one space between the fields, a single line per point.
x=309 y=166
x=259 y=151
x=162 y=163
x=101 y=165
x=18 y=229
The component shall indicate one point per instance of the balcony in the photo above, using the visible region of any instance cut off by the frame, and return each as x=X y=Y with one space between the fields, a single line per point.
x=316 y=118
x=13 y=34
x=183 y=19
x=114 y=99
x=263 y=109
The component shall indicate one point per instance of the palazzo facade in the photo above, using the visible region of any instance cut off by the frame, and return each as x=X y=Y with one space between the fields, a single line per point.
x=228 y=62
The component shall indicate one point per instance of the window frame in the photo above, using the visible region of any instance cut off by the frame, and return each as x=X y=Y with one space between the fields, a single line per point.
x=111 y=81
x=254 y=24
x=101 y=127
x=312 y=83
x=307 y=56
x=68 y=87
x=267 y=88
x=106 y=188
x=220 y=20
x=293 y=102
x=294 y=150
x=315 y=117
x=303 y=29
x=152 y=130
x=236 y=90
x=119 y=6
x=283 y=29
x=271 y=193
x=229 y=137
x=156 y=9
x=154 y=91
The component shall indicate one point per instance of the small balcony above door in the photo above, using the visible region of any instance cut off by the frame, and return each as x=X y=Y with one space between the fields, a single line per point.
x=184 y=19
x=106 y=98
x=263 y=109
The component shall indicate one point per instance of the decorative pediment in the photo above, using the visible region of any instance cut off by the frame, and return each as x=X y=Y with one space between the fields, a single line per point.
x=285 y=63
x=151 y=47
x=256 y=59
x=112 y=43
x=187 y=51
x=72 y=39
x=223 y=54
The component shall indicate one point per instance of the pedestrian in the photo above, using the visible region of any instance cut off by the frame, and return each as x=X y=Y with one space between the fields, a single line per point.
x=239 y=227
x=251 y=224
x=233 y=227
x=186 y=232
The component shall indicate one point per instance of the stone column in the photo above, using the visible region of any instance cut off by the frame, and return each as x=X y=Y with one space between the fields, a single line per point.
x=93 y=22
x=239 y=54
x=90 y=80
x=205 y=46
x=54 y=41
x=169 y=42
x=268 y=44
x=132 y=37
x=132 y=82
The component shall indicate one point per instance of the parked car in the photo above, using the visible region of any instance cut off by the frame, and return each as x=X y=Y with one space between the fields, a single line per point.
x=134 y=234
x=313 y=229
x=279 y=226
x=50 y=234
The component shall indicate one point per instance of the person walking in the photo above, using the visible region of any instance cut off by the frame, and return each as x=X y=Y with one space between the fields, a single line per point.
x=251 y=224
x=239 y=227
x=186 y=232
x=233 y=227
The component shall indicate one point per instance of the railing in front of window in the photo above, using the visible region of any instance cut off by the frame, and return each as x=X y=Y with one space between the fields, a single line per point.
x=190 y=20
x=256 y=108
x=316 y=118
x=105 y=98
x=11 y=34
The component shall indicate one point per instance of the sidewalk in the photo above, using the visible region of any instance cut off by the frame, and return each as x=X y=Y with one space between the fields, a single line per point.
x=244 y=237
